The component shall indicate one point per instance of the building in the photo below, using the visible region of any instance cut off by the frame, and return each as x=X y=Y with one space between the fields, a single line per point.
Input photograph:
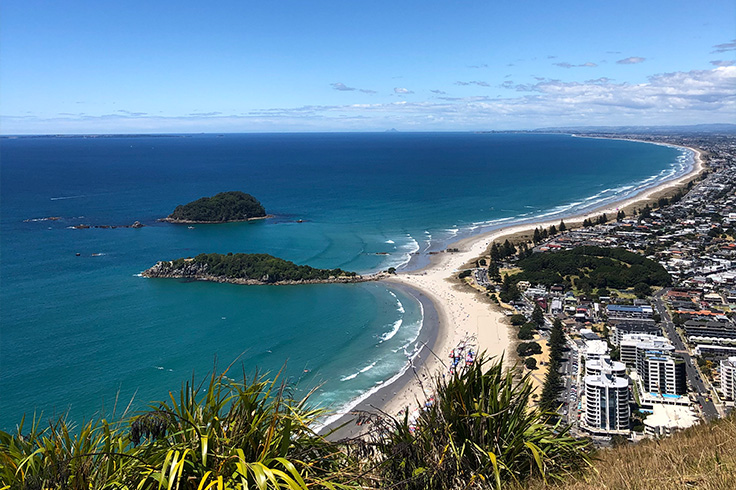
x=710 y=329
x=606 y=403
x=634 y=326
x=728 y=378
x=625 y=312
x=710 y=350
x=666 y=419
x=595 y=367
x=633 y=347
x=594 y=349
x=662 y=373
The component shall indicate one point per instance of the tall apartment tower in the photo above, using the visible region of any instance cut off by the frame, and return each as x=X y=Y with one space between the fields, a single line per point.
x=728 y=378
x=606 y=402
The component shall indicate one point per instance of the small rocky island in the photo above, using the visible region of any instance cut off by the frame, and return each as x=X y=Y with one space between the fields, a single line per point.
x=249 y=269
x=225 y=207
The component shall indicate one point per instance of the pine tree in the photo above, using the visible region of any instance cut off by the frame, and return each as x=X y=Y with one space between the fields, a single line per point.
x=508 y=249
x=495 y=253
x=537 y=236
x=538 y=315
x=493 y=271
x=552 y=230
x=562 y=226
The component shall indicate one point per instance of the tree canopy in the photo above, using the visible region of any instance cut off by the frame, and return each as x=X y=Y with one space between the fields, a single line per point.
x=595 y=267
x=220 y=208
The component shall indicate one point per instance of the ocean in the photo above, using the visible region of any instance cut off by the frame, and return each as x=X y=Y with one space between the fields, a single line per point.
x=80 y=327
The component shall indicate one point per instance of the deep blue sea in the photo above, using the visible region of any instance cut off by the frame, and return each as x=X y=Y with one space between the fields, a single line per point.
x=76 y=331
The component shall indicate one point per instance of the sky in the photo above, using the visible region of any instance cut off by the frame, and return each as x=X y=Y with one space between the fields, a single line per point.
x=293 y=65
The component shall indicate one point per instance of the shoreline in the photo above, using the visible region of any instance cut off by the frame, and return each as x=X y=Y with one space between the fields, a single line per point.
x=462 y=312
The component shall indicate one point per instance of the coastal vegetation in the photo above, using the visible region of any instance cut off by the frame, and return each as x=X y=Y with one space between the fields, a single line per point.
x=479 y=432
x=220 y=208
x=246 y=269
x=552 y=386
x=591 y=267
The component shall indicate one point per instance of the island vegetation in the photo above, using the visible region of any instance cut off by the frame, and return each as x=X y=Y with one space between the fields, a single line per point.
x=224 y=207
x=243 y=268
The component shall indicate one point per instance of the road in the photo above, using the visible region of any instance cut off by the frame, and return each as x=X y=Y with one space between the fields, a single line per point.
x=702 y=393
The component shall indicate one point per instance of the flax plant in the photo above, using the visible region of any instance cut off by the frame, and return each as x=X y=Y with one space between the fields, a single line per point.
x=220 y=434
x=237 y=435
x=480 y=432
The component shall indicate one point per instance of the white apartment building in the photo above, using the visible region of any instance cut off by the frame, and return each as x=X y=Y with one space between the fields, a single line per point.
x=595 y=367
x=633 y=347
x=728 y=378
x=661 y=373
x=606 y=403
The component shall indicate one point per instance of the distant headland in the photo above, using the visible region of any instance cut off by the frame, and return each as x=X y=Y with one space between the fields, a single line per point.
x=225 y=207
x=252 y=269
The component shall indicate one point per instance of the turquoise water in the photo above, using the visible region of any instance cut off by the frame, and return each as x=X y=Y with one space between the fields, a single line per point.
x=77 y=330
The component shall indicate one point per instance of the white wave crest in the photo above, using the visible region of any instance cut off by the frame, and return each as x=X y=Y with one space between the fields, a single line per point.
x=391 y=333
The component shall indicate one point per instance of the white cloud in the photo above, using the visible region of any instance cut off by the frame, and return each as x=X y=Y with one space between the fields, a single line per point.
x=473 y=82
x=341 y=87
x=402 y=91
x=587 y=64
x=696 y=96
x=631 y=60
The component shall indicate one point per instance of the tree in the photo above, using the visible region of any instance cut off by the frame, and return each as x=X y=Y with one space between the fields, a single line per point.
x=552 y=387
x=646 y=212
x=562 y=226
x=537 y=236
x=620 y=215
x=493 y=272
x=538 y=315
x=530 y=363
x=642 y=290
x=526 y=332
x=556 y=341
x=508 y=249
x=552 y=230
x=528 y=349
x=495 y=253
x=518 y=320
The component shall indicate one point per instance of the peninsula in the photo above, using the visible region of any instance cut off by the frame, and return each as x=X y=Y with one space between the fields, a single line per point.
x=225 y=207
x=252 y=269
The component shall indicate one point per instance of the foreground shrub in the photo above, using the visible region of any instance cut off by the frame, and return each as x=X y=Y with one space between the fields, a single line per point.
x=480 y=432
x=223 y=434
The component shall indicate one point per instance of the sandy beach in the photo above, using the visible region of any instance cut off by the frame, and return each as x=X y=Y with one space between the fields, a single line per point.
x=463 y=313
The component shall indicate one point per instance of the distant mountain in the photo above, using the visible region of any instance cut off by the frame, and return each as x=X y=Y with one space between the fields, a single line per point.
x=720 y=128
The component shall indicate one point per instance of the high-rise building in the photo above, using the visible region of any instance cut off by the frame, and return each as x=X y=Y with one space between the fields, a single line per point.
x=595 y=367
x=728 y=378
x=662 y=373
x=633 y=347
x=606 y=402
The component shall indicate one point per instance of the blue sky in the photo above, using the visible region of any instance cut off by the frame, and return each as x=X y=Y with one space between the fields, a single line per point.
x=165 y=66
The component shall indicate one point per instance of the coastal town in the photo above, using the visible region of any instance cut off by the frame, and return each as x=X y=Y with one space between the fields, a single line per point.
x=644 y=361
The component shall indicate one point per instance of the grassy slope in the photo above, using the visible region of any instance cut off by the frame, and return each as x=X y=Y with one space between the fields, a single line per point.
x=703 y=457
